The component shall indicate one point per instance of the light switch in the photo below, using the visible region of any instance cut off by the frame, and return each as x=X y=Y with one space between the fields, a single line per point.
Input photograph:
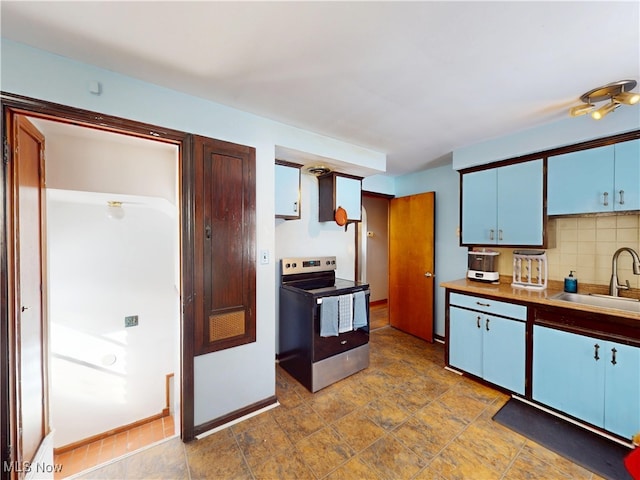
x=264 y=257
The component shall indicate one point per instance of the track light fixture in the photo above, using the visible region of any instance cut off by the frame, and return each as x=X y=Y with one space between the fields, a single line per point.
x=617 y=93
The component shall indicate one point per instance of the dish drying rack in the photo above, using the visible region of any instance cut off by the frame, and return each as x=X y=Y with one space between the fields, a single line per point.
x=530 y=269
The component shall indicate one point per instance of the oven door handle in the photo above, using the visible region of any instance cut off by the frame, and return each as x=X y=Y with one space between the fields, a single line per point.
x=319 y=299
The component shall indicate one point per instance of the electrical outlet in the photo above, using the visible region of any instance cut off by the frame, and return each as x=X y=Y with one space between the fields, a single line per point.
x=131 y=321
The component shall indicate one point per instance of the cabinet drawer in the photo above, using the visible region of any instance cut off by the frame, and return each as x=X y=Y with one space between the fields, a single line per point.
x=493 y=307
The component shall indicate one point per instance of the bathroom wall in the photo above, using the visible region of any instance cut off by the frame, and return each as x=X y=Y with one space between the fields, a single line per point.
x=586 y=244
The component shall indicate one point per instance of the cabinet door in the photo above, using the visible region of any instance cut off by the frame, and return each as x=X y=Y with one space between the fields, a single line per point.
x=465 y=340
x=503 y=347
x=287 y=192
x=479 y=197
x=349 y=196
x=581 y=182
x=622 y=392
x=566 y=374
x=519 y=204
x=627 y=176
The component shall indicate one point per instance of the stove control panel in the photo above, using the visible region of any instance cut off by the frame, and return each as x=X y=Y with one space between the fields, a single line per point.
x=294 y=265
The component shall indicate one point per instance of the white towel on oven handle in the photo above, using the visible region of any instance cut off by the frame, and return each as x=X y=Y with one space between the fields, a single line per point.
x=345 y=315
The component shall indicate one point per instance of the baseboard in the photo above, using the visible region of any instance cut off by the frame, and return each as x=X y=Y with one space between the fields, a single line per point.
x=378 y=302
x=235 y=415
x=108 y=433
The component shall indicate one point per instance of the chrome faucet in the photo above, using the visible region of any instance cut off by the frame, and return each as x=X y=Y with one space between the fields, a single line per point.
x=614 y=285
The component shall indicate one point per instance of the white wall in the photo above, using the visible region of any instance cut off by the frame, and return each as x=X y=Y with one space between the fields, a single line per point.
x=451 y=259
x=101 y=270
x=234 y=378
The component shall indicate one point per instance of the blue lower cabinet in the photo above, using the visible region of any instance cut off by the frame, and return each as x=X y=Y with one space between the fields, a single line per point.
x=489 y=347
x=595 y=380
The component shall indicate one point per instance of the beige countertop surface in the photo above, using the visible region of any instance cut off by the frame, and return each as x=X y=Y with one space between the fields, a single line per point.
x=504 y=290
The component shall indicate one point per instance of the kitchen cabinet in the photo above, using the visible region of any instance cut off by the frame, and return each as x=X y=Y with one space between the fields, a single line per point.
x=339 y=190
x=504 y=205
x=487 y=339
x=603 y=179
x=595 y=380
x=287 y=191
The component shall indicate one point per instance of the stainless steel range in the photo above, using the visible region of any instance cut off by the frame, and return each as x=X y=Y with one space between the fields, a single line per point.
x=324 y=322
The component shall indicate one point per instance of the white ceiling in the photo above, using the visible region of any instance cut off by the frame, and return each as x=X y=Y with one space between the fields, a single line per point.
x=415 y=80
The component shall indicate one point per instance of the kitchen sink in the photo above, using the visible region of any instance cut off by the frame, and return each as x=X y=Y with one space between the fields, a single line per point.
x=604 y=301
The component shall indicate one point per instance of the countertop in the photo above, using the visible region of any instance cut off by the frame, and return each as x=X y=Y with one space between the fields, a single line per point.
x=504 y=290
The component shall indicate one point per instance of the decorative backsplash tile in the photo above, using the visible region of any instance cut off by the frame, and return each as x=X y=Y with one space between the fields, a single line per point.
x=586 y=245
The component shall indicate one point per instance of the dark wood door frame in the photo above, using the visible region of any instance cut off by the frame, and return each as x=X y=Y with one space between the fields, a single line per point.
x=37 y=108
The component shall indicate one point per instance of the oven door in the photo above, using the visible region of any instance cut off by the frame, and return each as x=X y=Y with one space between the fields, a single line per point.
x=325 y=347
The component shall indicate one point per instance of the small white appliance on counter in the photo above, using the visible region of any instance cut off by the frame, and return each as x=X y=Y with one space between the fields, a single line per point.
x=483 y=266
x=530 y=269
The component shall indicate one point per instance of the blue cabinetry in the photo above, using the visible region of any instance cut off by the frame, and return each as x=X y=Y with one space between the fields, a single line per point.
x=603 y=179
x=487 y=339
x=287 y=194
x=595 y=380
x=503 y=205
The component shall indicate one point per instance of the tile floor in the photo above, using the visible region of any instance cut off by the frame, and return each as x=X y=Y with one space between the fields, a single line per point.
x=113 y=446
x=403 y=417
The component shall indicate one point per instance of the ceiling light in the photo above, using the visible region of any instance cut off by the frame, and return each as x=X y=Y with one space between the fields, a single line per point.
x=628 y=98
x=115 y=210
x=604 y=110
x=616 y=93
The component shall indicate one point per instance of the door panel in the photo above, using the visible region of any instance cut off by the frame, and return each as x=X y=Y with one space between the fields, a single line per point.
x=465 y=340
x=29 y=332
x=411 y=264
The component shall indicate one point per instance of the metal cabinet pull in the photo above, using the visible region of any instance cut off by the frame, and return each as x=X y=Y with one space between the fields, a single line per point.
x=483 y=304
x=487 y=324
x=613 y=356
x=491 y=234
x=596 y=347
x=621 y=197
x=478 y=322
x=606 y=199
x=295 y=207
x=500 y=234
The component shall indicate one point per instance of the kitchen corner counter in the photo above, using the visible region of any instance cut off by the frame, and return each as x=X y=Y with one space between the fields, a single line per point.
x=505 y=291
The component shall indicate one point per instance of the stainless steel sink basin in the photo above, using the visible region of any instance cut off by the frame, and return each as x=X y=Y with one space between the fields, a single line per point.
x=604 y=301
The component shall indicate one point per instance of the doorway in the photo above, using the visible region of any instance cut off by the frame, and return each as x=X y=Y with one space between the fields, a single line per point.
x=112 y=248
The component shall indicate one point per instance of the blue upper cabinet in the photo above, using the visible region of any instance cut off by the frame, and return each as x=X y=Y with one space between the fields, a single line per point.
x=627 y=176
x=603 y=179
x=504 y=205
x=287 y=198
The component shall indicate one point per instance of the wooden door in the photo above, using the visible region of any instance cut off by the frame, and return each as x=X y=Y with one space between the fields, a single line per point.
x=411 y=264
x=27 y=313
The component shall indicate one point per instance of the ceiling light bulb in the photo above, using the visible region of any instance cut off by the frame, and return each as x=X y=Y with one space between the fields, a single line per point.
x=628 y=98
x=115 y=210
x=581 y=109
x=604 y=110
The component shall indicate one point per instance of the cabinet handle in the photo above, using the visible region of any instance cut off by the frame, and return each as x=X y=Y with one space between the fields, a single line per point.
x=207 y=232
x=596 y=347
x=487 y=325
x=613 y=356
x=500 y=234
x=295 y=207
x=621 y=197
x=491 y=234
x=478 y=322
x=606 y=199
x=483 y=304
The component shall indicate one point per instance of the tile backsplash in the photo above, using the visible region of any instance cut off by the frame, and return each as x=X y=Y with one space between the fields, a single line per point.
x=586 y=245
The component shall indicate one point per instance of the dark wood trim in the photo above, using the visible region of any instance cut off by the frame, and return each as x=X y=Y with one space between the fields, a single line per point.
x=367 y=193
x=108 y=433
x=62 y=113
x=230 y=417
x=375 y=303
x=288 y=164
